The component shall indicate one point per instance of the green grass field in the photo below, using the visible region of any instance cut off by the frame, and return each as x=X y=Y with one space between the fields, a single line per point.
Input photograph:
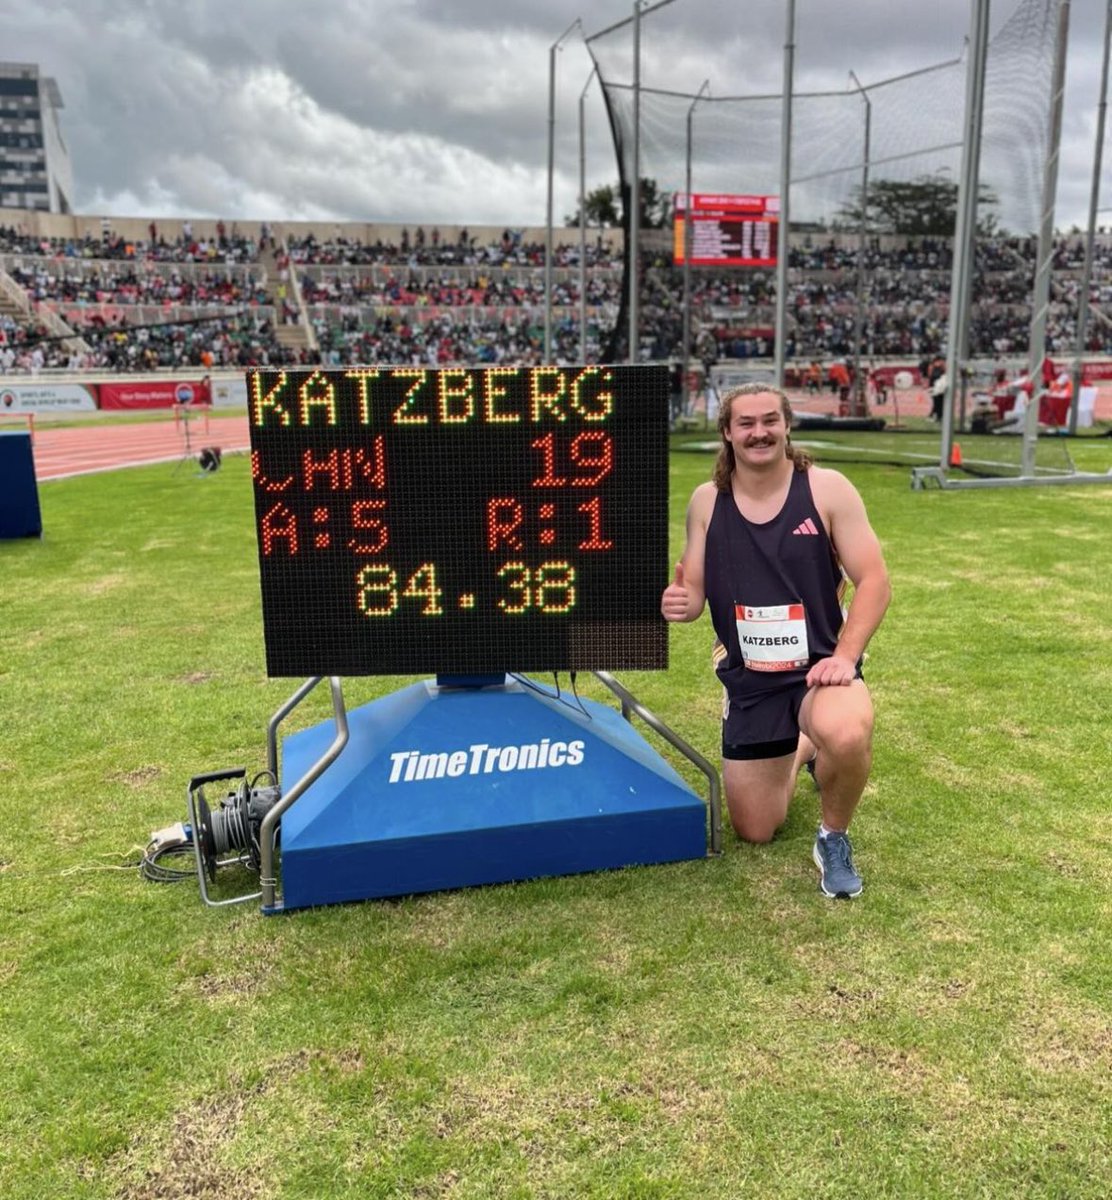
x=707 y=1029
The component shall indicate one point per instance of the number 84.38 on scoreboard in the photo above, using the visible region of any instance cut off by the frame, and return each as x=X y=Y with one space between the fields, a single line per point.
x=547 y=588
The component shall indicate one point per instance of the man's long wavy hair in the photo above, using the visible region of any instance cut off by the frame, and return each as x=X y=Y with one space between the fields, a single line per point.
x=724 y=466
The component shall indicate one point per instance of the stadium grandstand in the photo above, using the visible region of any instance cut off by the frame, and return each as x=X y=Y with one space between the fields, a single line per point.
x=97 y=294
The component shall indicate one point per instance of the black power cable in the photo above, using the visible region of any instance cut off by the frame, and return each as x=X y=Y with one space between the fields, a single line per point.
x=176 y=841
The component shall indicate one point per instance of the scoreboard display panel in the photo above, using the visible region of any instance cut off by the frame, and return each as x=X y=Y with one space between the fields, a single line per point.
x=461 y=521
x=727 y=230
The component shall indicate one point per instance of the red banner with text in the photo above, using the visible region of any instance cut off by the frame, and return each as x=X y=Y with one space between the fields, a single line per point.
x=155 y=394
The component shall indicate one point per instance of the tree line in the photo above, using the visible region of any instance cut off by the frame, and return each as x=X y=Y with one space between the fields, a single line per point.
x=922 y=207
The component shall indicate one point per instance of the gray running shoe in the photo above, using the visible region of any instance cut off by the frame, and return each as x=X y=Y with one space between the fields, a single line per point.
x=833 y=856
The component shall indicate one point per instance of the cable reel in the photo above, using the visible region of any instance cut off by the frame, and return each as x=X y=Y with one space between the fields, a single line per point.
x=233 y=827
x=227 y=834
x=230 y=833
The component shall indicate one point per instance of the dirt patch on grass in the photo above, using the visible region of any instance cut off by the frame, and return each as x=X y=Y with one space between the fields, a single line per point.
x=1061 y=864
x=186 y=1157
x=137 y=777
x=537 y=1119
x=1083 y=1045
x=188 y=1160
x=219 y=979
x=1014 y=730
x=232 y=986
x=443 y=1185
x=840 y=1003
x=195 y=677
x=902 y=1065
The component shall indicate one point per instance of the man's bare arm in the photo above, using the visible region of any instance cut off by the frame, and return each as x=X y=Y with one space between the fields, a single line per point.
x=859 y=551
x=683 y=599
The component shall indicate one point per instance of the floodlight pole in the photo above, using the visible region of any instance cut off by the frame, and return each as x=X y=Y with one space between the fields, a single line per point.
x=687 y=234
x=1041 y=302
x=583 y=218
x=965 y=222
x=1094 y=201
x=551 y=167
x=859 y=407
x=785 y=190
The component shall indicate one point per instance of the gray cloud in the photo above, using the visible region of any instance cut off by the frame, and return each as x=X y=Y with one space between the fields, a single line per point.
x=428 y=110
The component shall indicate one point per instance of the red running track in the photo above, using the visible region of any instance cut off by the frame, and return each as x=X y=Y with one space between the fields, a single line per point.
x=84 y=449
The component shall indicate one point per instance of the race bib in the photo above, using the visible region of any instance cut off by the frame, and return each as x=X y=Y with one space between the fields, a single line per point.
x=773 y=638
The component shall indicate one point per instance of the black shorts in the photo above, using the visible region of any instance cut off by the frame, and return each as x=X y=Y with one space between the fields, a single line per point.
x=764 y=726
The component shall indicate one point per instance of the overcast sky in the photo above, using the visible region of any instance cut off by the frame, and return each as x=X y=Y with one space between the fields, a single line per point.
x=430 y=111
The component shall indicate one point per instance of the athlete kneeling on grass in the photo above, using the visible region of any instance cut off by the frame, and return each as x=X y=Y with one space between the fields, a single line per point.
x=770 y=542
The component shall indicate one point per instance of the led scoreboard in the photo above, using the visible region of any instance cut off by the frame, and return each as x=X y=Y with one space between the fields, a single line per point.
x=479 y=520
x=727 y=230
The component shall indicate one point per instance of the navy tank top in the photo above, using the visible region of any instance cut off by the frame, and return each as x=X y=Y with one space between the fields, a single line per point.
x=788 y=560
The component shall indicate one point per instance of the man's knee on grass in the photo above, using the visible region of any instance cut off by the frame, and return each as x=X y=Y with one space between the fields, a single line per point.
x=757 y=796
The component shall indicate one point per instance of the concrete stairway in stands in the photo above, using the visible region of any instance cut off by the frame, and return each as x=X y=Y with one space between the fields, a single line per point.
x=298 y=335
x=15 y=303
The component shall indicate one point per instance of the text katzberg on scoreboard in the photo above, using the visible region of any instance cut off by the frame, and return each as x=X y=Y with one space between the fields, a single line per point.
x=470 y=520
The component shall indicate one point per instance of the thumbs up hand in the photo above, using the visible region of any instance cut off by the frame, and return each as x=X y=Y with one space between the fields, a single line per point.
x=675 y=602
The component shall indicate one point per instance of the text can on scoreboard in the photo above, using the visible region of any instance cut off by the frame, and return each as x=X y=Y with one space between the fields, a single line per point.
x=727 y=230
x=478 y=520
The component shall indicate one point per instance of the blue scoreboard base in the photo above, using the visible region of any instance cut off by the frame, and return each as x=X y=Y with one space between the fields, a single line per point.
x=445 y=788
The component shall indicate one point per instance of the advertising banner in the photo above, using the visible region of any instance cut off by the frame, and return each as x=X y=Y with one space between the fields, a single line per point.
x=46 y=397
x=886 y=375
x=154 y=394
x=229 y=393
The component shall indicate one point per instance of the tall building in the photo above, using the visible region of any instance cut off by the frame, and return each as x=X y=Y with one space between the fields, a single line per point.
x=35 y=169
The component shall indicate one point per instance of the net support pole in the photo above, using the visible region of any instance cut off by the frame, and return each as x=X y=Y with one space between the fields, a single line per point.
x=1041 y=303
x=859 y=405
x=632 y=219
x=688 y=232
x=583 y=218
x=966 y=222
x=552 y=51
x=785 y=190
x=635 y=194
x=1094 y=202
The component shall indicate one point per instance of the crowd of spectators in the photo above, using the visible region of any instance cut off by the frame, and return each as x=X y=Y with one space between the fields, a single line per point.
x=243 y=341
x=237 y=341
x=64 y=283
x=441 y=341
x=229 y=246
x=106 y=287
x=907 y=301
x=20 y=344
x=436 y=300
x=466 y=250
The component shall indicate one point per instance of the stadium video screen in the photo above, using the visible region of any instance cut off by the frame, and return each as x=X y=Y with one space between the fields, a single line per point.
x=727 y=231
x=467 y=521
